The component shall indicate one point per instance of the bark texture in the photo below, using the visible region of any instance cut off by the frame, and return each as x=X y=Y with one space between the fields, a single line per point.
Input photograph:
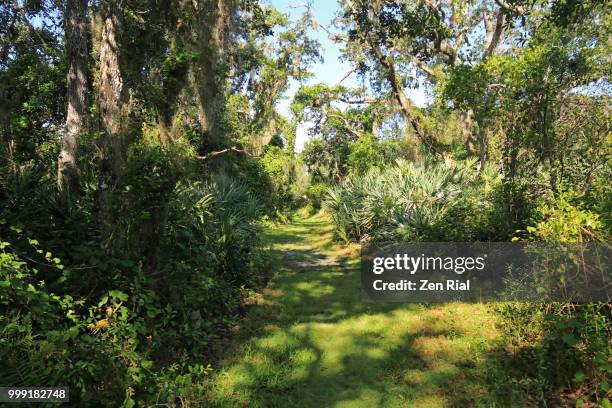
x=214 y=21
x=110 y=107
x=76 y=83
x=466 y=122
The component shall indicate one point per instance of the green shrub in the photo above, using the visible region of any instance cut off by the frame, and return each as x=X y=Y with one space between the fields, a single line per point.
x=365 y=153
x=77 y=313
x=557 y=345
x=59 y=340
x=287 y=181
x=562 y=344
x=410 y=202
x=315 y=194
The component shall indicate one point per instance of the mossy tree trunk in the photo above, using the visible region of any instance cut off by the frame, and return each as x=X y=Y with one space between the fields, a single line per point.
x=76 y=83
x=111 y=108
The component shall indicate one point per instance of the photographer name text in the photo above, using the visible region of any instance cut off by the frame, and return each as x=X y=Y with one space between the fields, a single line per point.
x=422 y=285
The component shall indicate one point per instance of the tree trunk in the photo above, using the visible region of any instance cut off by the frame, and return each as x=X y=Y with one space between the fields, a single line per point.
x=76 y=84
x=467 y=125
x=483 y=146
x=110 y=108
x=376 y=126
x=214 y=24
x=406 y=105
x=494 y=25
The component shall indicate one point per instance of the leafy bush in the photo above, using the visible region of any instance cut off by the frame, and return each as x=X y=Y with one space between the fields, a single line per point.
x=75 y=312
x=409 y=202
x=287 y=177
x=315 y=194
x=364 y=154
x=557 y=345
x=554 y=345
x=63 y=341
x=560 y=344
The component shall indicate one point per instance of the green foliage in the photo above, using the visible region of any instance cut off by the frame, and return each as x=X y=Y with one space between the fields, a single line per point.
x=64 y=340
x=409 y=202
x=515 y=206
x=364 y=155
x=561 y=343
x=564 y=221
x=318 y=160
x=558 y=344
x=532 y=104
x=77 y=314
x=212 y=222
x=343 y=140
x=287 y=178
x=125 y=304
x=32 y=84
x=315 y=194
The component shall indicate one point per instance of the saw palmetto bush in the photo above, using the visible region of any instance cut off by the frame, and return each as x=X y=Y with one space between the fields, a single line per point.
x=409 y=201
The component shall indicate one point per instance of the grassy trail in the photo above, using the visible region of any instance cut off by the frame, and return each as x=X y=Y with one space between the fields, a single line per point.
x=311 y=341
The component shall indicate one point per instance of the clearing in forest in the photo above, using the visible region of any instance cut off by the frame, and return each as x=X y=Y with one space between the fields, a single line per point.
x=312 y=341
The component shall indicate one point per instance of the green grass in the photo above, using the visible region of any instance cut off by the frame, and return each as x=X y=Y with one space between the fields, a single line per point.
x=312 y=341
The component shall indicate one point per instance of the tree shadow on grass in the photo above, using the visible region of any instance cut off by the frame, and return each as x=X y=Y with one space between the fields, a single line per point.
x=314 y=342
x=294 y=368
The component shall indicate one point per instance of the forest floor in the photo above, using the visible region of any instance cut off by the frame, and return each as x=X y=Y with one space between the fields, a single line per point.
x=311 y=340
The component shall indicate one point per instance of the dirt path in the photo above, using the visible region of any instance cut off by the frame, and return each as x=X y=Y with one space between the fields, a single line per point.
x=311 y=340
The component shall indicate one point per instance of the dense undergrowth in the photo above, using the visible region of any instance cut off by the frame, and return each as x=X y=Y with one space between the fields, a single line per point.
x=79 y=313
x=557 y=352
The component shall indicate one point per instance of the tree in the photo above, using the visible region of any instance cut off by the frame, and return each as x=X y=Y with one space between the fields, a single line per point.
x=112 y=110
x=337 y=126
x=32 y=81
x=525 y=94
x=215 y=21
x=399 y=42
x=75 y=22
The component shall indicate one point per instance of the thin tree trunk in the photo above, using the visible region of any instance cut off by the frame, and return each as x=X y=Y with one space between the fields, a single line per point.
x=483 y=147
x=467 y=125
x=76 y=83
x=405 y=104
x=376 y=126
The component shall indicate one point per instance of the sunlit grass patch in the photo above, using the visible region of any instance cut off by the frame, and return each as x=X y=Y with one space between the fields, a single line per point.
x=314 y=342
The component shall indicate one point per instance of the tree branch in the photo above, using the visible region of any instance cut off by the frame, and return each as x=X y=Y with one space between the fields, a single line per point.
x=495 y=38
x=422 y=66
x=395 y=82
x=220 y=152
x=347 y=125
x=515 y=9
x=357 y=101
x=488 y=21
x=348 y=74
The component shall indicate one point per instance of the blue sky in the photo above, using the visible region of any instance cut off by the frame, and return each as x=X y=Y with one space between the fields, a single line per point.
x=332 y=69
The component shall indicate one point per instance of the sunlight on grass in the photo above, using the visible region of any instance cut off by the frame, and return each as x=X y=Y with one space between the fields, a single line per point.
x=313 y=342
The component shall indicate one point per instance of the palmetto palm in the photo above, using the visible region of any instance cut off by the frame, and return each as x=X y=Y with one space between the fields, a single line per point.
x=402 y=202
